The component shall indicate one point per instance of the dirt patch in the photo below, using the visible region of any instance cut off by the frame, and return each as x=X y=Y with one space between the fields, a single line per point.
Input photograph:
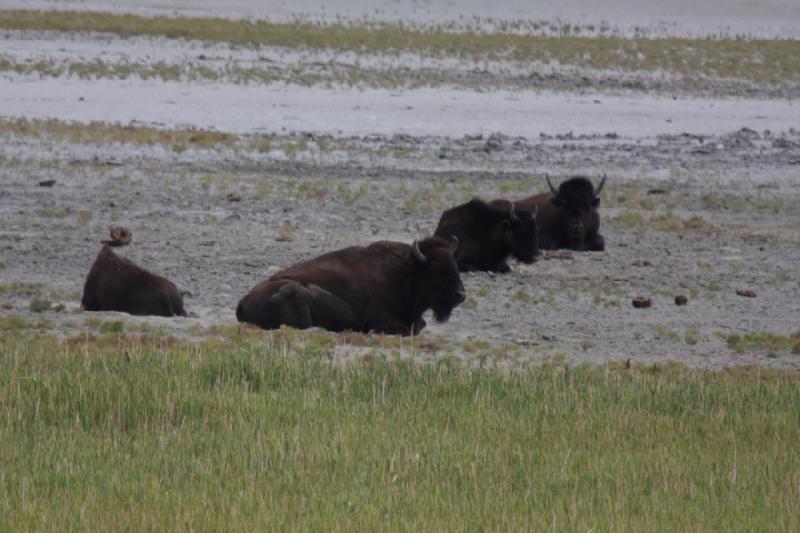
x=573 y=306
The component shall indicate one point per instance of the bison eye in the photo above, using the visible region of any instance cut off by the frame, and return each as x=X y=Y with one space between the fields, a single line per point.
x=596 y=202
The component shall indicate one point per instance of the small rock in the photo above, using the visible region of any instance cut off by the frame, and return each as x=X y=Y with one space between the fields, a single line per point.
x=233 y=197
x=746 y=293
x=47 y=183
x=640 y=302
x=681 y=300
x=641 y=263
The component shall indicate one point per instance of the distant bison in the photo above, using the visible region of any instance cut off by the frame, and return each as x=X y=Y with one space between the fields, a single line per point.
x=568 y=217
x=489 y=233
x=384 y=287
x=117 y=284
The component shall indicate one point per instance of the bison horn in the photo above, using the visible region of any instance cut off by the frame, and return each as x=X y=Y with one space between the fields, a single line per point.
x=511 y=213
x=417 y=252
x=453 y=244
x=600 y=187
x=552 y=189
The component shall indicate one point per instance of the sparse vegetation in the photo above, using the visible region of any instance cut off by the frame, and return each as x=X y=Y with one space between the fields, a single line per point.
x=756 y=60
x=763 y=341
x=668 y=221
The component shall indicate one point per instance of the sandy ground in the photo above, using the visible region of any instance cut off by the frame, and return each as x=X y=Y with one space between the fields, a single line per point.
x=702 y=200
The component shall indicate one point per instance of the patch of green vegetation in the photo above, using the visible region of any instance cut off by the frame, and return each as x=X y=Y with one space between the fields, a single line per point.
x=14 y=323
x=21 y=288
x=104 y=133
x=469 y=303
x=666 y=222
x=763 y=340
x=756 y=60
x=244 y=429
x=111 y=326
x=663 y=332
x=692 y=335
x=40 y=305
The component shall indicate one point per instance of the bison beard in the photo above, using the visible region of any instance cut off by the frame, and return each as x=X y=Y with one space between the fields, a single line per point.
x=568 y=216
x=117 y=284
x=384 y=287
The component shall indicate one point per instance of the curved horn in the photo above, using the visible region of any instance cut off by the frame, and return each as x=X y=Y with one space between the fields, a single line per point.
x=600 y=187
x=511 y=213
x=552 y=189
x=417 y=252
x=453 y=244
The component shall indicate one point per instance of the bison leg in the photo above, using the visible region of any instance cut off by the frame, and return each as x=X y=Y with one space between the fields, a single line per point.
x=501 y=267
x=464 y=266
x=547 y=242
x=393 y=326
x=329 y=311
x=280 y=304
x=289 y=303
x=596 y=243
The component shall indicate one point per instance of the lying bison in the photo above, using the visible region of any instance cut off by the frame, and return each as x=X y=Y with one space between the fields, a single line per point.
x=384 y=287
x=117 y=284
x=489 y=233
x=568 y=217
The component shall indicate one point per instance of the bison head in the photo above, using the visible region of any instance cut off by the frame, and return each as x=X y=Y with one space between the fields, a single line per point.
x=576 y=199
x=441 y=288
x=520 y=235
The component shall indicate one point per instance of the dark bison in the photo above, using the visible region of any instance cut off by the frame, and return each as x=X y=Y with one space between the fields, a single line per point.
x=488 y=233
x=384 y=287
x=568 y=217
x=117 y=284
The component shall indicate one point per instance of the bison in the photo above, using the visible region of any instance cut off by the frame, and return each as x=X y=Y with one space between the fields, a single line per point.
x=384 y=287
x=568 y=217
x=488 y=233
x=117 y=284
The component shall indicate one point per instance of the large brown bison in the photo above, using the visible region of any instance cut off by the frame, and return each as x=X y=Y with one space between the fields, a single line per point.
x=384 y=287
x=568 y=217
x=488 y=233
x=115 y=283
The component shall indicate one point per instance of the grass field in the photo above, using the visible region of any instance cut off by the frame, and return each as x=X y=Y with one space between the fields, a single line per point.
x=120 y=432
x=756 y=60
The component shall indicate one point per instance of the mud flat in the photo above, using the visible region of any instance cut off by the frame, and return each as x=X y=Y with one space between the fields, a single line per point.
x=223 y=182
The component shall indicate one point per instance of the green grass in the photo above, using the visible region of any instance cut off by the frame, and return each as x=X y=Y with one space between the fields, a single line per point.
x=764 y=340
x=118 y=432
x=663 y=221
x=757 y=60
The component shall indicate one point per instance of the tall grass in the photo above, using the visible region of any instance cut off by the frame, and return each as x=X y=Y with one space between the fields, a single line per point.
x=124 y=433
x=757 y=60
